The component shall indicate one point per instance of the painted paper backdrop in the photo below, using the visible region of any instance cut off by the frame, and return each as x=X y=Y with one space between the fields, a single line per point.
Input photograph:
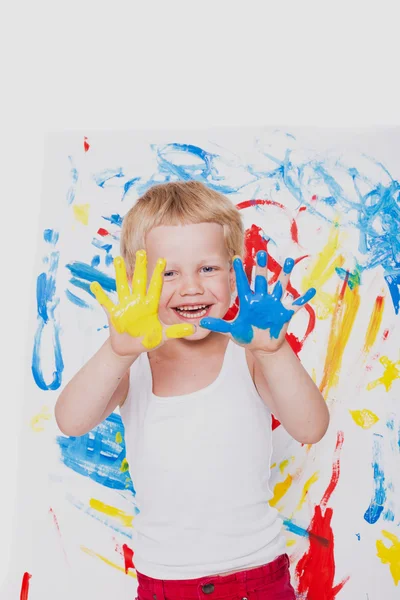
x=329 y=199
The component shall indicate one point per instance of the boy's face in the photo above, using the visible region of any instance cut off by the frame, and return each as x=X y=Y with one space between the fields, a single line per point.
x=198 y=278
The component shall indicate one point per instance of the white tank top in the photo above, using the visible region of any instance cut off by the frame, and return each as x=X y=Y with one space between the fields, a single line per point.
x=200 y=465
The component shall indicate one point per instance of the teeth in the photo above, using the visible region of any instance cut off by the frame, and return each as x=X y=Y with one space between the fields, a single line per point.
x=197 y=307
x=192 y=314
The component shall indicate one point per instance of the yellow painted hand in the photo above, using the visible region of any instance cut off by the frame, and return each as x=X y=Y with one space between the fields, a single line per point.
x=137 y=311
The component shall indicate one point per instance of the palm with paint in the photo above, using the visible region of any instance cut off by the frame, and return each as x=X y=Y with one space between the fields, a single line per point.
x=136 y=314
x=263 y=320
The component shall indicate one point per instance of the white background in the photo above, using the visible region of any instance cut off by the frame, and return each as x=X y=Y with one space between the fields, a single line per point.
x=162 y=65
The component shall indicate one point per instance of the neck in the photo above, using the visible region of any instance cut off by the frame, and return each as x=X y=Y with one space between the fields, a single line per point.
x=183 y=349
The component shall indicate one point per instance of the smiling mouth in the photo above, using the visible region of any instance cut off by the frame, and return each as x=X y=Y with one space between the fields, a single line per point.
x=191 y=312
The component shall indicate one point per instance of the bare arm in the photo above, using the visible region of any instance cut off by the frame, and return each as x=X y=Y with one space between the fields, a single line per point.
x=94 y=392
x=291 y=394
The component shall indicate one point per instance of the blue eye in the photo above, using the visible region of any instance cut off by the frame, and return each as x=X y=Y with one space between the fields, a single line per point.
x=209 y=269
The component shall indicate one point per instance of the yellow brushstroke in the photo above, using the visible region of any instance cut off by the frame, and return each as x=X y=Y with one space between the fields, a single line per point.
x=43 y=415
x=280 y=490
x=81 y=213
x=108 y=562
x=374 y=323
x=124 y=466
x=390 y=556
x=112 y=511
x=273 y=466
x=390 y=373
x=283 y=465
x=364 y=418
x=290 y=543
x=118 y=437
x=321 y=271
x=307 y=485
x=342 y=324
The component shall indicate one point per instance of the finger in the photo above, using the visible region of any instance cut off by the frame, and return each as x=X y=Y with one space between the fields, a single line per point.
x=180 y=331
x=101 y=296
x=242 y=283
x=121 y=279
x=139 y=279
x=284 y=276
x=277 y=291
x=304 y=298
x=156 y=282
x=213 y=324
x=261 y=284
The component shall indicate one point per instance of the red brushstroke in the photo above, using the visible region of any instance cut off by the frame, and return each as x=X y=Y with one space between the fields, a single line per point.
x=51 y=511
x=86 y=144
x=294 y=232
x=103 y=232
x=302 y=208
x=275 y=422
x=316 y=568
x=314 y=197
x=258 y=202
x=128 y=558
x=25 y=587
x=385 y=334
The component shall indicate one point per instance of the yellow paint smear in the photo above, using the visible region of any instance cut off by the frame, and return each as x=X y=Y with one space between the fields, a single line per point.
x=108 y=562
x=390 y=373
x=283 y=465
x=321 y=271
x=81 y=213
x=342 y=324
x=124 y=466
x=43 y=415
x=364 y=418
x=280 y=490
x=118 y=437
x=307 y=485
x=290 y=543
x=374 y=323
x=390 y=556
x=111 y=511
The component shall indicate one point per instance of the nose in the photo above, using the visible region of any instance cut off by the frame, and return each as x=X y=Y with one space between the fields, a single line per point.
x=190 y=286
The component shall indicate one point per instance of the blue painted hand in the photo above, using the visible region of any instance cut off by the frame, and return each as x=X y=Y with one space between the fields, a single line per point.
x=263 y=320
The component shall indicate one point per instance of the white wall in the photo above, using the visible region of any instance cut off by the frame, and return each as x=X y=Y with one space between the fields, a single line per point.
x=102 y=65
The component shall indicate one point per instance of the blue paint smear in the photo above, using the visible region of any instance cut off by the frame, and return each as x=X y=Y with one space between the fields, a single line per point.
x=109 y=259
x=128 y=185
x=106 y=175
x=329 y=200
x=51 y=236
x=358 y=536
x=76 y=300
x=100 y=244
x=389 y=515
x=376 y=506
x=47 y=302
x=97 y=455
x=393 y=282
x=114 y=219
x=95 y=261
x=74 y=178
x=87 y=273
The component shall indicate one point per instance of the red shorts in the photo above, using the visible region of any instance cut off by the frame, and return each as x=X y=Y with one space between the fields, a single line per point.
x=269 y=582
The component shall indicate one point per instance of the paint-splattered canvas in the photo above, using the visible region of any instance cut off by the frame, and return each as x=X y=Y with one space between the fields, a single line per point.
x=329 y=199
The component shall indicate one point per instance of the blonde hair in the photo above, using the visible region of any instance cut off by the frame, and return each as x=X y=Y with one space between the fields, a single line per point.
x=179 y=203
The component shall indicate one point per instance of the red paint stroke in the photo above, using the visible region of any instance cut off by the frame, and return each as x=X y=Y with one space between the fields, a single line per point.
x=51 y=511
x=316 y=568
x=25 y=586
x=86 y=144
x=385 y=334
x=257 y=202
x=314 y=197
x=103 y=232
x=302 y=209
x=128 y=558
x=275 y=422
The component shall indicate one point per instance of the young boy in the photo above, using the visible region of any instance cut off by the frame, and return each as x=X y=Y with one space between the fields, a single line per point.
x=196 y=395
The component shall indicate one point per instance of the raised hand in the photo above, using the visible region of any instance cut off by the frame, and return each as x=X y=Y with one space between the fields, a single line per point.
x=262 y=320
x=136 y=313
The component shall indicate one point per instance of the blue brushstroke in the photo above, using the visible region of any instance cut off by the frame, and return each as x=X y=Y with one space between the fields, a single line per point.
x=84 y=274
x=51 y=236
x=47 y=302
x=95 y=261
x=106 y=175
x=256 y=309
x=101 y=245
x=114 y=219
x=128 y=185
x=76 y=300
x=376 y=506
x=358 y=536
x=74 y=178
x=97 y=455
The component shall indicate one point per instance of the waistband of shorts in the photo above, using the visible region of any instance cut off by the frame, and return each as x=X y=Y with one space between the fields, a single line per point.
x=269 y=571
